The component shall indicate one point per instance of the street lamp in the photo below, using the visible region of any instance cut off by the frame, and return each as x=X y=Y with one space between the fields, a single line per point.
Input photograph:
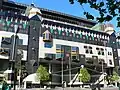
x=16 y=29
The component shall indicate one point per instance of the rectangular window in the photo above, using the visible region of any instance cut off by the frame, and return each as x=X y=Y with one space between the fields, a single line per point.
x=58 y=47
x=50 y=56
x=73 y=48
x=59 y=55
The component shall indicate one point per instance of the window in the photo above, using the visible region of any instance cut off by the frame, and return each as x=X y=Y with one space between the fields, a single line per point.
x=87 y=51
x=110 y=62
x=99 y=53
x=6 y=40
x=97 y=48
x=59 y=55
x=102 y=53
x=85 y=46
x=58 y=46
x=91 y=52
x=48 y=56
x=74 y=48
x=90 y=47
x=47 y=45
x=47 y=36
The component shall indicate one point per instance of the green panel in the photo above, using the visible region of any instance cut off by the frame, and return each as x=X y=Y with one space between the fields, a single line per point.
x=80 y=35
x=87 y=36
x=51 y=30
x=59 y=31
x=24 y=26
x=73 y=34
x=8 y=23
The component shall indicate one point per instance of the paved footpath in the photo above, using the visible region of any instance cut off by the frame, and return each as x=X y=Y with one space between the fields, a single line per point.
x=76 y=88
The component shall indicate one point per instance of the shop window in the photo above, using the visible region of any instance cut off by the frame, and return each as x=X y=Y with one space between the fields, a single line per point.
x=59 y=55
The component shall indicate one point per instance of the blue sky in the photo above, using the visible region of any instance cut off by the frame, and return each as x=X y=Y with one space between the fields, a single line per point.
x=65 y=7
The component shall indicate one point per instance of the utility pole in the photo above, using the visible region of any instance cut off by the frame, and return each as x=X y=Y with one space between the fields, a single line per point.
x=62 y=70
x=69 y=70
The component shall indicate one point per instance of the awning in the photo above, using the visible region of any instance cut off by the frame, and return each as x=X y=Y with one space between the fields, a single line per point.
x=7 y=71
x=32 y=78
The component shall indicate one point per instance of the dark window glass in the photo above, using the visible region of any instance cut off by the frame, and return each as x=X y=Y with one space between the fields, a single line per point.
x=50 y=56
x=6 y=40
x=91 y=52
x=99 y=53
x=43 y=36
x=85 y=46
x=90 y=47
x=97 y=48
x=110 y=62
x=110 y=53
x=102 y=49
x=20 y=42
x=87 y=51
x=102 y=53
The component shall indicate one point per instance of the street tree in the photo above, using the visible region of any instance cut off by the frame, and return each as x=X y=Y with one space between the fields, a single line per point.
x=84 y=76
x=107 y=9
x=114 y=78
x=42 y=74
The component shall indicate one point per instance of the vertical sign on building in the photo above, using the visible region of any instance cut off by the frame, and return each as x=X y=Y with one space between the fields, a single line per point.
x=34 y=15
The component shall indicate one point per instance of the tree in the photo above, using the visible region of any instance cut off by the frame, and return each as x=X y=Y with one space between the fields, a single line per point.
x=84 y=76
x=114 y=78
x=42 y=74
x=107 y=9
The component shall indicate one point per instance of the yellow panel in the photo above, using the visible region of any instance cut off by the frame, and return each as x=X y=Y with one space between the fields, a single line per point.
x=73 y=52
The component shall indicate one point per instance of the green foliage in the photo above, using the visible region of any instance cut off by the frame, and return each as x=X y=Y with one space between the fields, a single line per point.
x=84 y=76
x=42 y=73
x=114 y=78
x=107 y=9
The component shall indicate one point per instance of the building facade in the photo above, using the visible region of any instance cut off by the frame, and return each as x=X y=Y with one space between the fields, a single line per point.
x=58 y=41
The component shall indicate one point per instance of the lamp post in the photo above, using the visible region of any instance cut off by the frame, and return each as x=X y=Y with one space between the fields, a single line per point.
x=14 y=54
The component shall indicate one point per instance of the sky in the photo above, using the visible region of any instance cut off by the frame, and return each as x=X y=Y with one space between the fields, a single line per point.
x=65 y=7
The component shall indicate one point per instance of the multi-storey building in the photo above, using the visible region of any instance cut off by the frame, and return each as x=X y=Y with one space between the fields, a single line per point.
x=56 y=37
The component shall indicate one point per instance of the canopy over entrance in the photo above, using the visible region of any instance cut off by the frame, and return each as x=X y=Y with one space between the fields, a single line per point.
x=32 y=78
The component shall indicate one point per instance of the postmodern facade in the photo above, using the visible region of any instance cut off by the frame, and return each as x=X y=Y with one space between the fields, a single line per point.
x=57 y=41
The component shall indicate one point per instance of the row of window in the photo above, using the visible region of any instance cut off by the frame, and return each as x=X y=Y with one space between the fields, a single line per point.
x=77 y=58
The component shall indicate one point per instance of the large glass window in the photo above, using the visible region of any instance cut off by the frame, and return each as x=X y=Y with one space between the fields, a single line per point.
x=59 y=55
